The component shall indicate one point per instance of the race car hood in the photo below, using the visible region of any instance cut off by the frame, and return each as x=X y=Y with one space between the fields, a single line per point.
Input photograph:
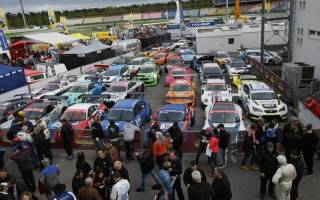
x=267 y=103
x=164 y=126
x=180 y=94
x=147 y=75
x=187 y=57
x=116 y=96
x=110 y=78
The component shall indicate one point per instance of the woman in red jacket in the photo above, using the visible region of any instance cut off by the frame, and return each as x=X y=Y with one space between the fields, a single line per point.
x=214 y=148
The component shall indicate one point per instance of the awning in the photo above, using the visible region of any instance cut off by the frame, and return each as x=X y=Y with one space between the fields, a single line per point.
x=53 y=38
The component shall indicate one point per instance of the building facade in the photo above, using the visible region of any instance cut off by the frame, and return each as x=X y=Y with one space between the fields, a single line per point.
x=306 y=37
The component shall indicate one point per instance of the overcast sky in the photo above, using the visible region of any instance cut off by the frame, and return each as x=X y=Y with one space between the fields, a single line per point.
x=13 y=6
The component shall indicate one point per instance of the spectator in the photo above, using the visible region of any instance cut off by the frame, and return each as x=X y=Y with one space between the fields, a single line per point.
x=160 y=149
x=292 y=140
x=120 y=190
x=49 y=177
x=249 y=148
x=309 y=147
x=61 y=193
x=102 y=163
x=77 y=181
x=113 y=134
x=176 y=136
x=273 y=133
x=99 y=183
x=224 y=140
x=66 y=133
x=2 y=152
x=118 y=167
x=41 y=141
x=4 y=195
x=283 y=178
x=155 y=127
x=88 y=192
x=146 y=162
x=213 y=147
x=221 y=186
x=97 y=132
x=27 y=196
x=22 y=157
x=199 y=190
x=205 y=136
x=113 y=152
x=292 y=127
x=176 y=170
x=128 y=136
x=296 y=161
x=166 y=180
x=82 y=164
x=159 y=192
x=187 y=175
x=268 y=167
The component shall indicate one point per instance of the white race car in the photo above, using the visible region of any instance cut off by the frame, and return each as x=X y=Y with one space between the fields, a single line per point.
x=136 y=63
x=215 y=90
x=124 y=90
x=227 y=113
x=116 y=73
x=52 y=88
x=260 y=101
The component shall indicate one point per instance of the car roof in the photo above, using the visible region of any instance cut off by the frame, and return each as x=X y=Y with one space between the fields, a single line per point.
x=126 y=104
x=223 y=106
x=181 y=82
x=179 y=107
x=80 y=106
x=258 y=86
x=117 y=67
x=207 y=65
x=217 y=81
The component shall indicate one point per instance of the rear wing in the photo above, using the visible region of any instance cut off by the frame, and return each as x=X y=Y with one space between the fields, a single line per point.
x=24 y=95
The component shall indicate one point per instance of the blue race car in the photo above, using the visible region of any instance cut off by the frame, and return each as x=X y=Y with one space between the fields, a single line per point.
x=136 y=111
x=171 y=113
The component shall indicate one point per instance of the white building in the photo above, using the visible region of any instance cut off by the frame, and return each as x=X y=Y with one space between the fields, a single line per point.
x=230 y=38
x=306 y=39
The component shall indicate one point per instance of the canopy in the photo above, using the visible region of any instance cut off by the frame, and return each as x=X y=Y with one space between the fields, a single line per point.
x=80 y=36
x=11 y=78
x=53 y=38
x=90 y=47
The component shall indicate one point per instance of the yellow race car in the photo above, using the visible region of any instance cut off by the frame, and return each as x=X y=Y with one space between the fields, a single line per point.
x=238 y=80
x=222 y=58
x=181 y=92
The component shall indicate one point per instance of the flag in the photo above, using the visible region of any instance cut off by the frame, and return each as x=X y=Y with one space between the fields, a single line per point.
x=52 y=18
x=3 y=20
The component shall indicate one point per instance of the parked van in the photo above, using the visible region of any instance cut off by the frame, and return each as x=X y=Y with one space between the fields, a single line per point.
x=127 y=45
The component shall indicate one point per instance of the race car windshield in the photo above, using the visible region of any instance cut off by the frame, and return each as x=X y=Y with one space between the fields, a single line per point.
x=147 y=70
x=216 y=88
x=178 y=73
x=222 y=55
x=180 y=88
x=135 y=62
x=171 y=116
x=237 y=65
x=188 y=53
x=74 y=116
x=224 y=117
x=78 y=89
x=112 y=72
x=263 y=96
x=174 y=61
x=120 y=115
x=32 y=114
x=211 y=70
x=52 y=87
x=117 y=89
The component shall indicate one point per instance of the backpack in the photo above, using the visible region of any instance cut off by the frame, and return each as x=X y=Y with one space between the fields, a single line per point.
x=271 y=132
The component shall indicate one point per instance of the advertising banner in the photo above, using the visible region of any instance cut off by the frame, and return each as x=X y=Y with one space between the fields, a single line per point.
x=200 y=24
x=3 y=20
x=52 y=18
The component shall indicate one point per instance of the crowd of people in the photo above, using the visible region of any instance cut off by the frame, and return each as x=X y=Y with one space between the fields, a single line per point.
x=161 y=157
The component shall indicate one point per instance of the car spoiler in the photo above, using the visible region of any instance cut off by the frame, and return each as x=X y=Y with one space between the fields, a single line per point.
x=54 y=97
x=24 y=95
x=86 y=97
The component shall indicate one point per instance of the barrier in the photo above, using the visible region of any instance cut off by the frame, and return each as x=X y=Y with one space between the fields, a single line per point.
x=272 y=79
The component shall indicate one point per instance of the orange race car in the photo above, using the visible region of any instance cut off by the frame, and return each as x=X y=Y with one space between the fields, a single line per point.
x=181 y=92
x=160 y=58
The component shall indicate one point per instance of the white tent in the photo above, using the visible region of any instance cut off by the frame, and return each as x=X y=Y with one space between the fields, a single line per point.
x=51 y=38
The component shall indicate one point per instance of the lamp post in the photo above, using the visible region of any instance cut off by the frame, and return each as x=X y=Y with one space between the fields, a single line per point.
x=23 y=15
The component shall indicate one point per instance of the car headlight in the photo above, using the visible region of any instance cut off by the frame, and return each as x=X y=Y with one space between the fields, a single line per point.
x=282 y=109
x=256 y=109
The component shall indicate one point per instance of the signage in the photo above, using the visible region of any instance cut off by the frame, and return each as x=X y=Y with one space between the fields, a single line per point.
x=3 y=41
x=201 y=24
x=3 y=20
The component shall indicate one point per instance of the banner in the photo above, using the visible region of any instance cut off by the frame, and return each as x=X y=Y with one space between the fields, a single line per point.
x=52 y=18
x=3 y=20
x=63 y=23
x=3 y=42
x=201 y=24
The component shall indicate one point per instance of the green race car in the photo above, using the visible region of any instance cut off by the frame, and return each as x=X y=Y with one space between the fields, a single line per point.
x=149 y=74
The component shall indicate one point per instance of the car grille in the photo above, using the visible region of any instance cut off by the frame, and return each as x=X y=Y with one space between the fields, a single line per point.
x=270 y=111
x=180 y=98
x=269 y=105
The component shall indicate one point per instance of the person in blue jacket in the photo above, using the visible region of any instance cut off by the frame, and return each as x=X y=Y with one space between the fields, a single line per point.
x=61 y=193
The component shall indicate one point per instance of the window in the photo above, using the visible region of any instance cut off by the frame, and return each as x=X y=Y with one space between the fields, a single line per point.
x=314 y=34
x=302 y=5
x=231 y=41
x=298 y=31
x=301 y=31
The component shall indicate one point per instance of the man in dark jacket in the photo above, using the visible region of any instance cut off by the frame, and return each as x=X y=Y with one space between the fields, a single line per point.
x=293 y=126
x=187 y=175
x=296 y=161
x=4 y=195
x=67 y=133
x=268 y=167
x=22 y=157
x=152 y=131
x=146 y=161
x=200 y=190
x=113 y=135
x=224 y=139
x=102 y=163
x=292 y=141
x=309 y=148
x=205 y=136
x=176 y=136
x=221 y=186
x=97 y=132
x=176 y=167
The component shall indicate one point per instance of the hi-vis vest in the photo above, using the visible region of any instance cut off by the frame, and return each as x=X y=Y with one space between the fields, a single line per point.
x=122 y=187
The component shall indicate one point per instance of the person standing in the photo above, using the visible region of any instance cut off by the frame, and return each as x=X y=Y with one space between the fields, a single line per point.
x=120 y=190
x=221 y=186
x=309 y=148
x=283 y=178
x=205 y=136
x=214 y=149
x=155 y=127
x=102 y=163
x=77 y=181
x=67 y=134
x=113 y=135
x=160 y=148
x=99 y=183
x=293 y=126
x=199 y=190
x=187 y=175
x=88 y=192
x=224 y=140
x=41 y=141
x=61 y=193
x=176 y=136
x=176 y=170
x=82 y=164
x=49 y=177
x=146 y=162
x=268 y=167
x=292 y=140
x=249 y=148
x=128 y=137
x=118 y=167
x=97 y=132
x=296 y=161
x=273 y=133
x=113 y=152
x=166 y=180
x=4 y=195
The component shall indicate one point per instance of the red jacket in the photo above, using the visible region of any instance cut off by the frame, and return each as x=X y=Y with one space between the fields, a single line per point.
x=214 y=145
